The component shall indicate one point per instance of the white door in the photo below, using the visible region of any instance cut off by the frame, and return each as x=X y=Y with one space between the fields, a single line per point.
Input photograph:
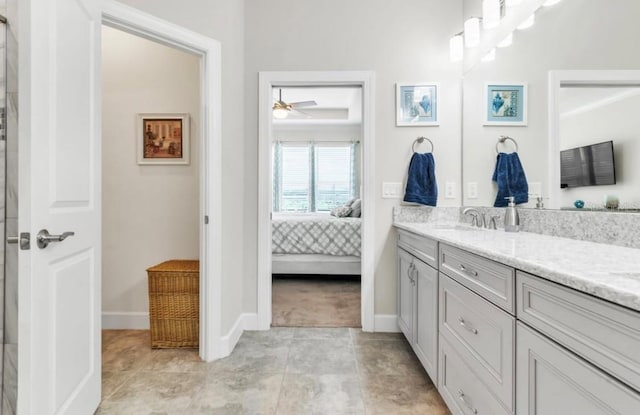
x=59 y=176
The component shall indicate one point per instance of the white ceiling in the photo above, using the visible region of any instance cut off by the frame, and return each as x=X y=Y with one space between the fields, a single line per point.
x=336 y=105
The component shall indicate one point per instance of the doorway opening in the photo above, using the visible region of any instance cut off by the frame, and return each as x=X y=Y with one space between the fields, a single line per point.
x=150 y=194
x=339 y=139
x=316 y=204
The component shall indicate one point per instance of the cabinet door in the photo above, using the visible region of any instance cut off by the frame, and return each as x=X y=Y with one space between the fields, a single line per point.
x=426 y=318
x=551 y=380
x=405 y=294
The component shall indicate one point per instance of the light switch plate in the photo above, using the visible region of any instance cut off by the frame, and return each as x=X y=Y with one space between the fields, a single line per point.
x=450 y=190
x=472 y=190
x=391 y=190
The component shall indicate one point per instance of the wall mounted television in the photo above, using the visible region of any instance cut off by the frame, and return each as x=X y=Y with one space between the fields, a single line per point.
x=591 y=165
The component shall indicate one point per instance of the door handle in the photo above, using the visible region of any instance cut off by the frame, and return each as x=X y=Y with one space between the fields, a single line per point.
x=44 y=238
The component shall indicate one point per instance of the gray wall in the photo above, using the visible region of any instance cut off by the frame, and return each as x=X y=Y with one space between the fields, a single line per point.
x=403 y=41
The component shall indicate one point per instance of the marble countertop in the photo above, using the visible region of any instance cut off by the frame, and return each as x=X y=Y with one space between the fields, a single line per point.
x=606 y=271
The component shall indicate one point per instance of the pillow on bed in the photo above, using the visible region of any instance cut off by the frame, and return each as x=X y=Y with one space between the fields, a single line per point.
x=341 y=211
x=356 y=208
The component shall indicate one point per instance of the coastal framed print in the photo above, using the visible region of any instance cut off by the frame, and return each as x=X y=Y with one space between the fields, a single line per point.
x=163 y=138
x=417 y=104
x=505 y=104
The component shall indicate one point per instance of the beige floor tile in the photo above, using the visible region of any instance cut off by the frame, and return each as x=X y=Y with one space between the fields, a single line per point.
x=401 y=395
x=174 y=360
x=315 y=333
x=158 y=391
x=320 y=394
x=359 y=337
x=238 y=393
x=387 y=358
x=321 y=357
x=254 y=358
x=111 y=381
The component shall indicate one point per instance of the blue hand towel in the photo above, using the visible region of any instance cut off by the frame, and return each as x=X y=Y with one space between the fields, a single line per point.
x=509 y=175
x=421 y=183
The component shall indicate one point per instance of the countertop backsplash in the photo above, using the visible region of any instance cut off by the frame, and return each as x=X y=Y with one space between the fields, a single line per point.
x=622 y=229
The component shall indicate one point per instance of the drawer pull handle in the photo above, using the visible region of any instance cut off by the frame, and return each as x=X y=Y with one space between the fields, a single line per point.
x=468 y=271
x=465 y=402
x=463 y=323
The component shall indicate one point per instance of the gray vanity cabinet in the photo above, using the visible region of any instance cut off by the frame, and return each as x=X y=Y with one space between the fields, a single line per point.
x=418 y=300
x=552 y=380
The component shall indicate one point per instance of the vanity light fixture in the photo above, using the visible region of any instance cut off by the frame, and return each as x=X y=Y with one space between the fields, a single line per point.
x=490 y=13
x=507 y=41
x=528 y=22
x=550 y=2
x=472 y=32
x=490 y=56
x=456 y=48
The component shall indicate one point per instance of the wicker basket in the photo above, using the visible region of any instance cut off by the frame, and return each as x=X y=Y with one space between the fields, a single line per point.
x=174 y=304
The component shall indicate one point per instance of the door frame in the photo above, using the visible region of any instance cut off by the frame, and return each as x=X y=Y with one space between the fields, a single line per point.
x=139 y=23
x=267 y=80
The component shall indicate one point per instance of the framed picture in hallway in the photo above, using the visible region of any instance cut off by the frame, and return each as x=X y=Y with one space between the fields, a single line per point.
x=505 y=104
x=416 y=104
x=163 y=138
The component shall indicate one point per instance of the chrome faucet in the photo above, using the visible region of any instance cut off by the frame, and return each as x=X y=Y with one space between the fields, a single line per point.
x=475 y=216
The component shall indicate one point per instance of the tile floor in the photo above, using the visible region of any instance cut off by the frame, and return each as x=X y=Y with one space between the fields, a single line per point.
x=281 y=371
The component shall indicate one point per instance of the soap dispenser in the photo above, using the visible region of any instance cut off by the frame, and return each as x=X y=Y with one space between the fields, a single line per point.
x=511 y=217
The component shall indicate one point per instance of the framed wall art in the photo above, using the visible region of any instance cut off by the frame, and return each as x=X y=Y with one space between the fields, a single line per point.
x=505 y=104
x=163 y=138
x=417 y=104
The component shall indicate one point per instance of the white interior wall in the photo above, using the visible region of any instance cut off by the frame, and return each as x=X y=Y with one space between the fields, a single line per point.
x=401 y=42
x=569 y=35
x=150 y=213
x=616 y=121
x=224 y=21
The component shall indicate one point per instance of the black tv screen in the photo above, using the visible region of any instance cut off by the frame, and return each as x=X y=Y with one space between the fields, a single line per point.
x=591 y=165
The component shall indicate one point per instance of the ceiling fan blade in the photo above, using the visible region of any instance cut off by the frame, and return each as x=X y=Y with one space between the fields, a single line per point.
x=303 y=104
x=306 y=114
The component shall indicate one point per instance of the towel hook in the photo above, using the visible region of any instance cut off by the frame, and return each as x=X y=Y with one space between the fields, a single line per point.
x=504 y=138
x=421 y=140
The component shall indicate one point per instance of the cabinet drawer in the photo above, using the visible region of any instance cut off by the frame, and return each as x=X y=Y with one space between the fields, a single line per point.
x=482 y=333
x=425 y=249
x=552 y=380
x=490 y=279
x=603 y=333
x=464 y=393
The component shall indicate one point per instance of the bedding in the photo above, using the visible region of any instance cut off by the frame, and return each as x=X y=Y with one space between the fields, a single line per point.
x=315 y=233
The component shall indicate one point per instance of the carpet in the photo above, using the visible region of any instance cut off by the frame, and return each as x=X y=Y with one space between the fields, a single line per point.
x=315 y=301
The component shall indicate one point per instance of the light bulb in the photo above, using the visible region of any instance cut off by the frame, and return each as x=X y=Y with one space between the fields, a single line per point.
x=507 y=41
x=472 y=32
x=490 y=13
x=456 y=48
x=550 y=2
x=527 y=23
x=280 y=113
x=490 y=56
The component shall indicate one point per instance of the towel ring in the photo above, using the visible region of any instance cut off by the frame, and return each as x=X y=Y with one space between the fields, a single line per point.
x=504 y=138
x=421 y=140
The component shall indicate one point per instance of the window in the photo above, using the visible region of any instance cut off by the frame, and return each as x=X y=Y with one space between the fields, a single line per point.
x=313 y=177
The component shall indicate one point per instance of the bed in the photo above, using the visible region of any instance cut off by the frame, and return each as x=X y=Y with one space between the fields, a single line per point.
x=315 y=243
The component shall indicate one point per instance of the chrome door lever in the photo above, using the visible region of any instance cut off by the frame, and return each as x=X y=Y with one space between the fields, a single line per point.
x=44 y=238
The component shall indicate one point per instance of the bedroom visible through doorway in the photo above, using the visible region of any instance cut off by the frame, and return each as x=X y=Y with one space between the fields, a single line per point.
x=316 y=201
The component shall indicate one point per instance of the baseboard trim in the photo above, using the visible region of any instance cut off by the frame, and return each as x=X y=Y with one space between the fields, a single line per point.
x=386 y=323
x=245 y=321
x=125 y=320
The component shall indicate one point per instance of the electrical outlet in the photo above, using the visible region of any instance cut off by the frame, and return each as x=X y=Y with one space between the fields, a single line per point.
x=391 y=190
x=450 y=190
x=472 y=190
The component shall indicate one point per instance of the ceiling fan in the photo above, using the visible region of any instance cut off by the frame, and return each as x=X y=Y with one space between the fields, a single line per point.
x=281 y=109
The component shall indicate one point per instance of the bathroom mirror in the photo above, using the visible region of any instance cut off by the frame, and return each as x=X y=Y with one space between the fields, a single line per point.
x=570 y=35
